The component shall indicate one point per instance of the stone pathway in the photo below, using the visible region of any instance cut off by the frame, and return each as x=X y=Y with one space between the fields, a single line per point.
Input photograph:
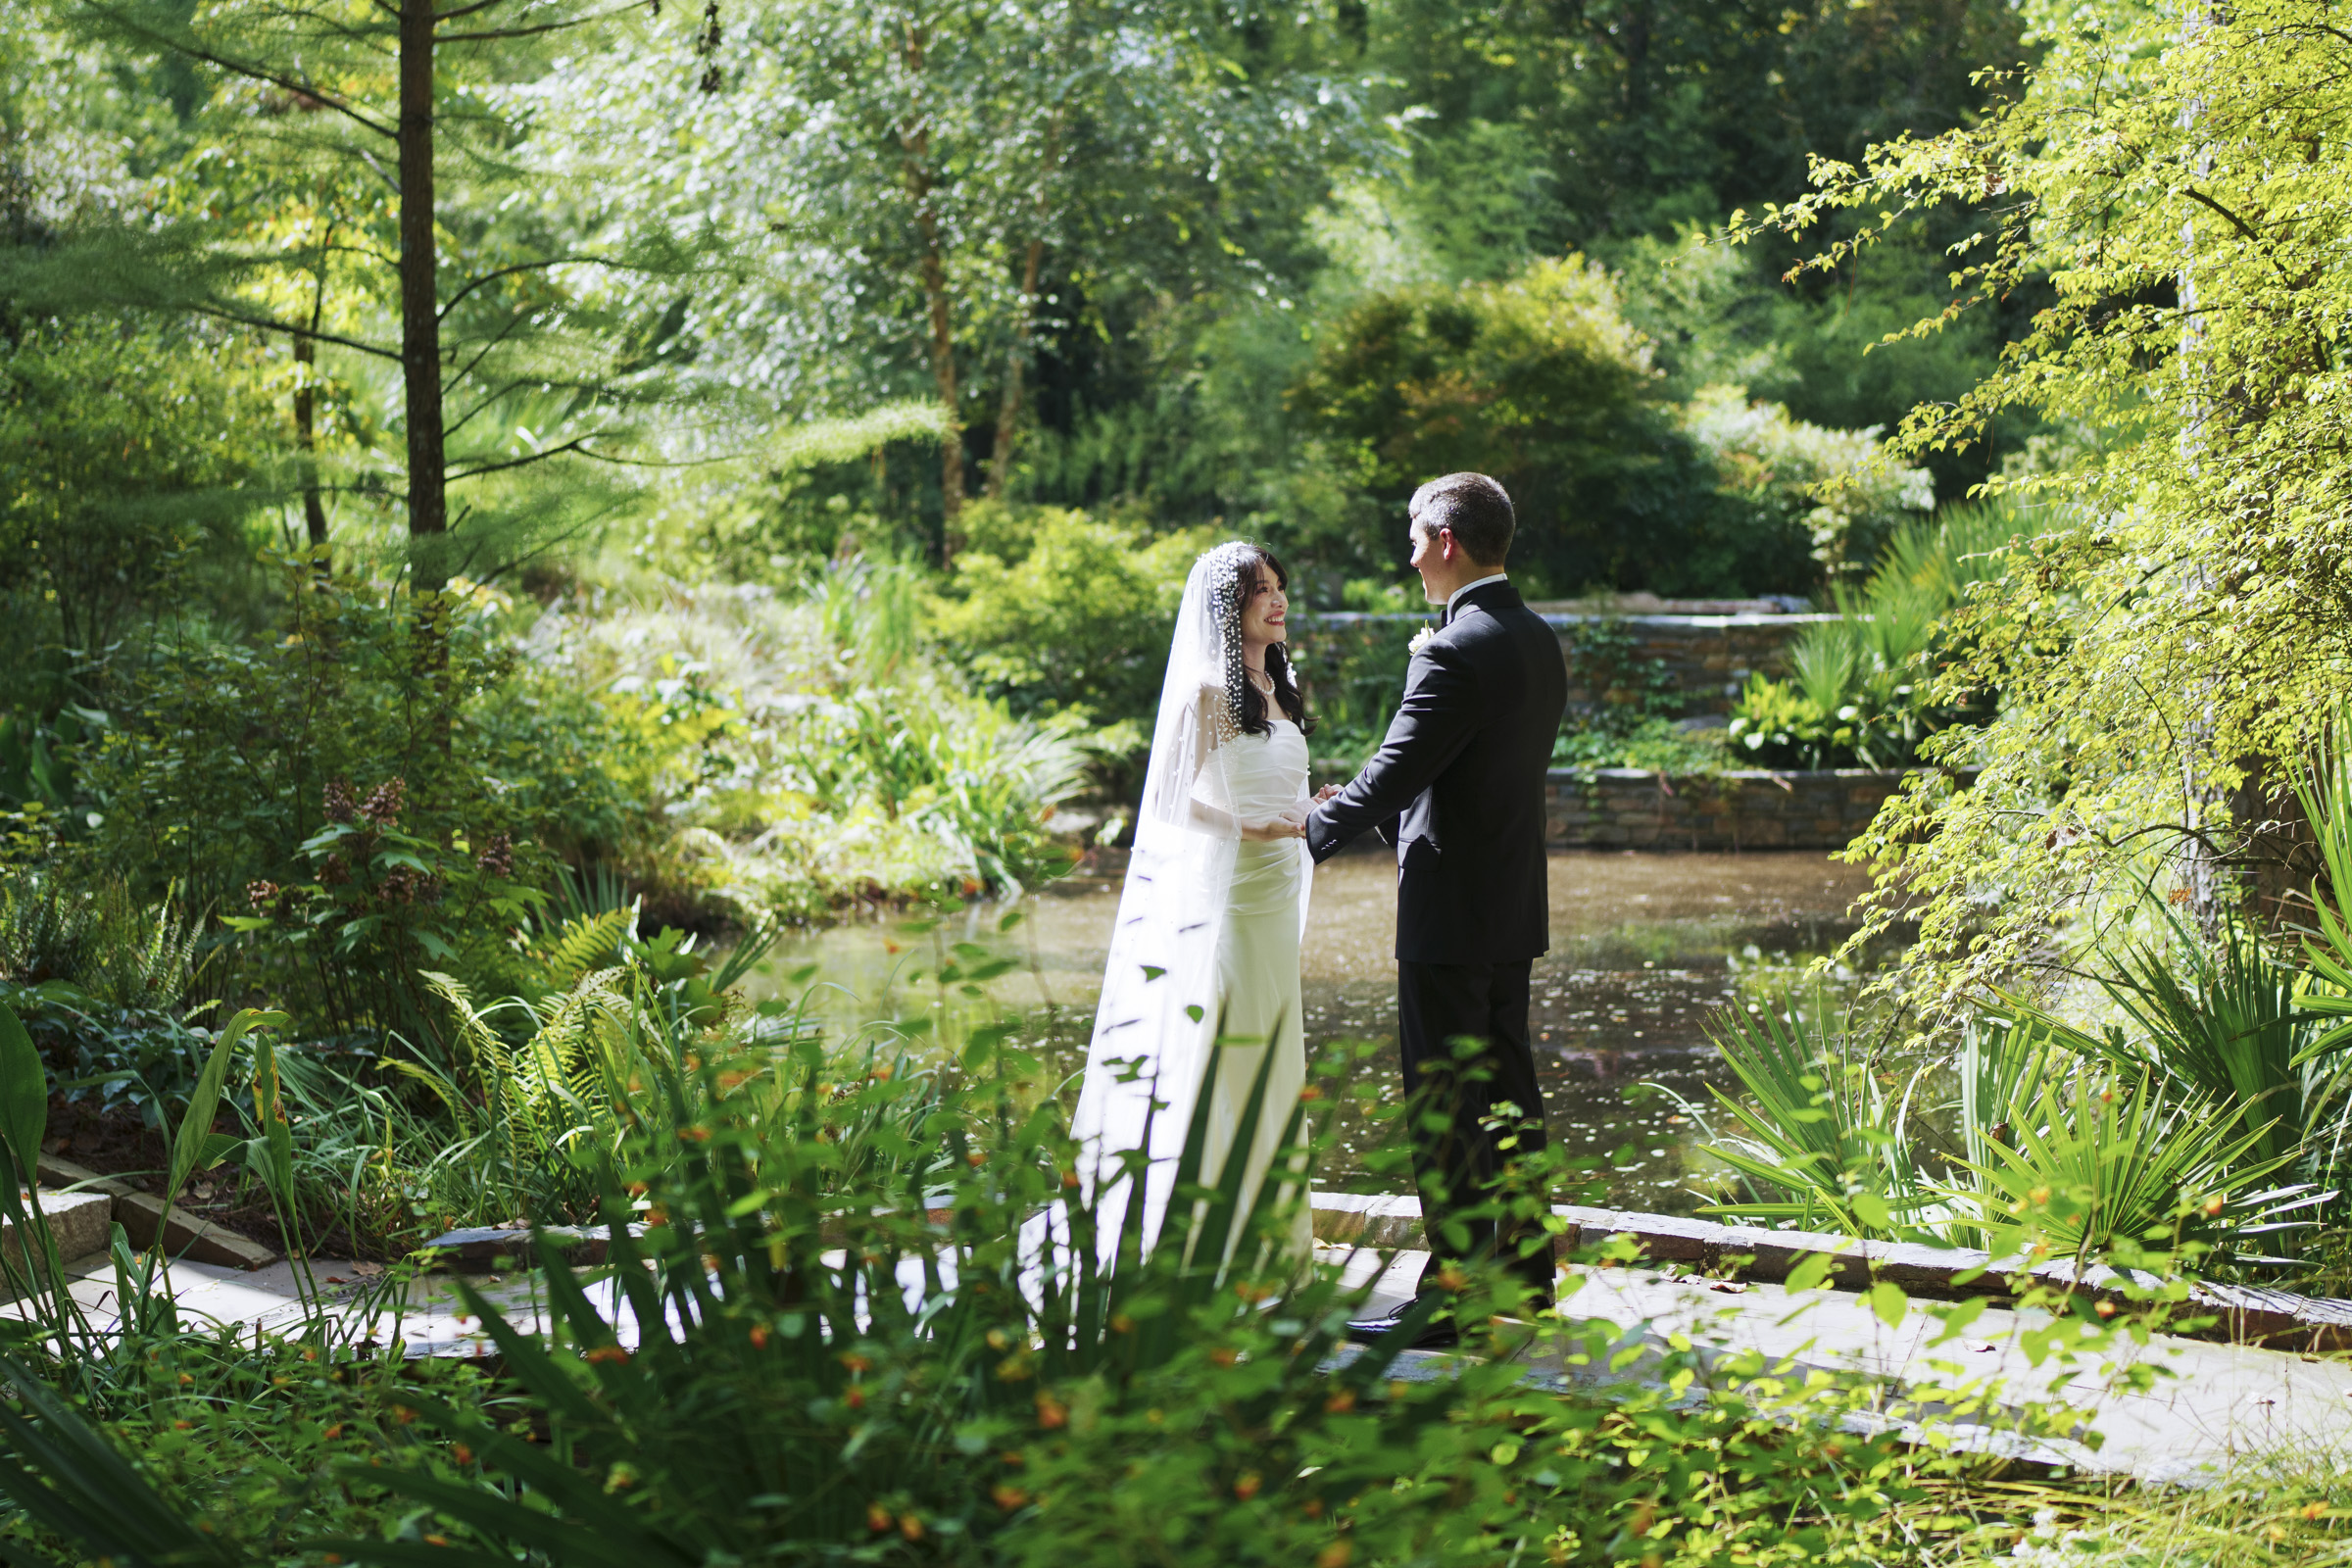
x=2206 y=1407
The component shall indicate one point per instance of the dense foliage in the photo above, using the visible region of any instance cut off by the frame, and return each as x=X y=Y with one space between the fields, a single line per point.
x=503 y=506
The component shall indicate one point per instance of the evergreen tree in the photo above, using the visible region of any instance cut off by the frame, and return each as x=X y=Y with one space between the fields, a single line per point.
x=361 y=184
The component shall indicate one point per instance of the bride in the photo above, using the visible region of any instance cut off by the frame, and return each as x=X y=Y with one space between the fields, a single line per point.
x=1214 y=903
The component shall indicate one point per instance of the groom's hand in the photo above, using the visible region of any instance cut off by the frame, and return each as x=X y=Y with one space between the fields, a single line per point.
x=1326 y=793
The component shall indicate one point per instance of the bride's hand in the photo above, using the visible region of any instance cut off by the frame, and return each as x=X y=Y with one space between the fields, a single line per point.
x=1282 y=827
x=1326 y=793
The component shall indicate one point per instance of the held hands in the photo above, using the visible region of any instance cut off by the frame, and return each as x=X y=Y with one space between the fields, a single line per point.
x=1291 y=824
x=1326 y=793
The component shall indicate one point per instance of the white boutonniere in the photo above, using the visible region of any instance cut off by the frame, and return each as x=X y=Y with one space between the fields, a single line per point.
x=1421 y=639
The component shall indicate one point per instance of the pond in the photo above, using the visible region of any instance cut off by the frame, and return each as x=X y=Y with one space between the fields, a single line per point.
x=1643 y=948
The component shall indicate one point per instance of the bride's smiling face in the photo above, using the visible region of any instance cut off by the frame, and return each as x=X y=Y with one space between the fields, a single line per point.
x=1266 y=611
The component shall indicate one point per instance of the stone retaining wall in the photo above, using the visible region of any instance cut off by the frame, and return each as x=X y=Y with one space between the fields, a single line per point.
x=1711 y=656
x=1624 y=808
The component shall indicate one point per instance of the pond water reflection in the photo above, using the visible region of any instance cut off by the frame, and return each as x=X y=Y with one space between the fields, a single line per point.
x=1645 y=947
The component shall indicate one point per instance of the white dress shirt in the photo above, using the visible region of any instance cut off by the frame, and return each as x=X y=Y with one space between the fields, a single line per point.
x=1455 y=597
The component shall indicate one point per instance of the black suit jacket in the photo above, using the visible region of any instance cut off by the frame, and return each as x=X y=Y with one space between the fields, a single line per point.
x=1457 y=786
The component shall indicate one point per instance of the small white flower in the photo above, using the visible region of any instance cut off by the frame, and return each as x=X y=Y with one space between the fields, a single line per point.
x=1421 y=639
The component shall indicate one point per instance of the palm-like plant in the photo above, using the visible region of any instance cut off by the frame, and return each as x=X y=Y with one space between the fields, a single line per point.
x=2101 y=1162
x=1822 y=1144
x=2222 y=1026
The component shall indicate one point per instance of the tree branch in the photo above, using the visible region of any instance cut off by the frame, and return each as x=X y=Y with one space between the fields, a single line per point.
x=267 y=325
x=504 y=272
x=487 y=399
x=574 y=445
x=254 y=73
x=2236 y=221
x=496 y=34
x=501 y=336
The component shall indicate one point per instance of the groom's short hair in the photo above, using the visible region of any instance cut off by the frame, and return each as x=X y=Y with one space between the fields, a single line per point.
x=1473 y=507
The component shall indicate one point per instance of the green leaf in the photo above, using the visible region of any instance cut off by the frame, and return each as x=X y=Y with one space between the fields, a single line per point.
x=1887 y=1298
x=1809 y=1272
x=187 y=1146
x=23 y=1097
x=1871 y=1210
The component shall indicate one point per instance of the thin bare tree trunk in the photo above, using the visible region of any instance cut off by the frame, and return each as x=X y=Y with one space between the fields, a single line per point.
x=2210 y=883
x=305 y=431
x=1009 y=407
x=915 y=137
x=419 y=294
x=306 y=441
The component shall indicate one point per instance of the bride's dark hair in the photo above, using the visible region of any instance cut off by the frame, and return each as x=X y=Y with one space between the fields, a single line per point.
x=1278 y=660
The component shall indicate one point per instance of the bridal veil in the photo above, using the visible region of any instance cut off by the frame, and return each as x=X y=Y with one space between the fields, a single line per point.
x=1160 y=981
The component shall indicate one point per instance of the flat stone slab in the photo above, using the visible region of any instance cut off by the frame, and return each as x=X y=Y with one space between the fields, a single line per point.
x=2205 y=1412
x=147 y=1221
x=78 y=1222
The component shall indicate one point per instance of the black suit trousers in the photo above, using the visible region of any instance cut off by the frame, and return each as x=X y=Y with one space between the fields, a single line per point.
x=1455 y=1166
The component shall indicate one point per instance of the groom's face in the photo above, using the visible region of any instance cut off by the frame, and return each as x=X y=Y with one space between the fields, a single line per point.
x=1429 y=557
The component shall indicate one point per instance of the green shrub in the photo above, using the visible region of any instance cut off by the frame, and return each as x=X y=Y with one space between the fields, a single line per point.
x=1060 y=612
x=1858 y=692
x=794 y=757
x=378 y=790
x=129 y=461
x=1352 y=673
x=1783 y=478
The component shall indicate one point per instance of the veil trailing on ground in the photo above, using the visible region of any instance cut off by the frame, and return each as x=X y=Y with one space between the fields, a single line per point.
x=1156 y=1020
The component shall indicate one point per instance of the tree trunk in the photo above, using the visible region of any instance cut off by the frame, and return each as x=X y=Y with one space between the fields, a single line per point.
x=306 y=441
x=2208 y=880
x=419 y=295
x=916 y=138
x=1009 y=407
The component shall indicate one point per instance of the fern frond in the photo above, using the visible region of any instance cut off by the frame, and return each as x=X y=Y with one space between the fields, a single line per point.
x=584 y=943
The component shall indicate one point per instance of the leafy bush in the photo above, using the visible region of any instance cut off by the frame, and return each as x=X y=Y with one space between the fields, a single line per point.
x=1352 y=673
x=1787 y=477
x=1539 y=382
x=1858 y=691
x=378 y=791
x=792 y=757
x=128 y=458
x=1060 y=612
x=99 y=978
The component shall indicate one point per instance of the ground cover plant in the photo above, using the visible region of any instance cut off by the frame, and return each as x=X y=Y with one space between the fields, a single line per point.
x=858 y=1322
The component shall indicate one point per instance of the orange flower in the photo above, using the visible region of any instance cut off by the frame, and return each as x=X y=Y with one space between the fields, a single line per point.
x=1008 y=1498
x=1052 y=1412
x=1245 y=1486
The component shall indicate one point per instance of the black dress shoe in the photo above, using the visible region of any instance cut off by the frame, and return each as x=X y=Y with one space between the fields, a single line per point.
x=1438 y=1334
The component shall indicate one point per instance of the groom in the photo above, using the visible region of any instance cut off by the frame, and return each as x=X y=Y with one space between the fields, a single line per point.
x=1457 y=787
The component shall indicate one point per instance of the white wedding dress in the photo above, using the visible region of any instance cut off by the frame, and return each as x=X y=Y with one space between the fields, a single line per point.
x=1208 y=928
x=1257 y=964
